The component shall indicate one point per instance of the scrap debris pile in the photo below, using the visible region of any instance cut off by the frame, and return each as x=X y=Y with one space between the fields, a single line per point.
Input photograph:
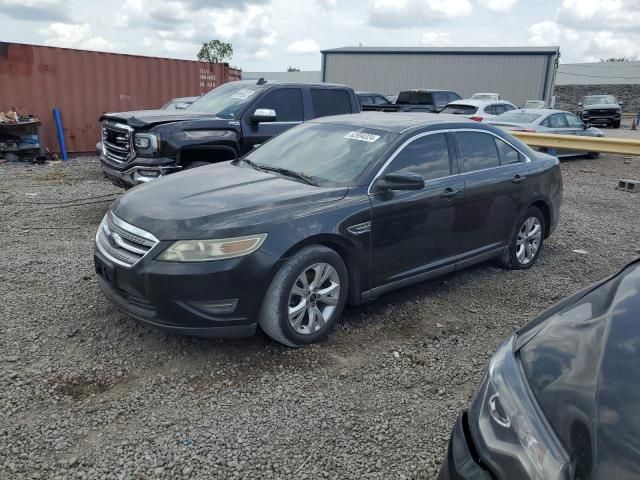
x=20 y=138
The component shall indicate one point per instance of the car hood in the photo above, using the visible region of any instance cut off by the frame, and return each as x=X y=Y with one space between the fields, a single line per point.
x=194 y=203
x=148 y=118
x=512 y=126
x=600 y=106
x=583 y=368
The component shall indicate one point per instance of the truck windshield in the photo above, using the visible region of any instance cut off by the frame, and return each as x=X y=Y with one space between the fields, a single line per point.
x=600 y=99
x=226 y=101
x=415 y=97
x=330 y=155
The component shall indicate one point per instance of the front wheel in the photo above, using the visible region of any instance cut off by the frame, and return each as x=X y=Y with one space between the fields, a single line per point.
x=306 y=297
x=593 y=155
x=526 y=243
x=616 y=124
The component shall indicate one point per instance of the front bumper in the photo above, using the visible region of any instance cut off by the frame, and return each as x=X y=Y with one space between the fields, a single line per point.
x=135 y=174
x=460 y=462
x=600 y=118
x=206 y=299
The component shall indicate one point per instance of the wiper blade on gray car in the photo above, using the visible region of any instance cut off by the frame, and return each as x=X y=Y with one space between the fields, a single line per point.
x=289 y=173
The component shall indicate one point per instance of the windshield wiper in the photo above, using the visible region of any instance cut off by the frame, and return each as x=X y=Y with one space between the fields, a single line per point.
x=289 y=173
x=250 y=163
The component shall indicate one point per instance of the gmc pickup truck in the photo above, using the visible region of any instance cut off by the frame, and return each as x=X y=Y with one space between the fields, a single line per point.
x=222 y=125
x=430 y=101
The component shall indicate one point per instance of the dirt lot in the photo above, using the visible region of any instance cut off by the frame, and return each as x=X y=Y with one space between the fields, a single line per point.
x=87 y=393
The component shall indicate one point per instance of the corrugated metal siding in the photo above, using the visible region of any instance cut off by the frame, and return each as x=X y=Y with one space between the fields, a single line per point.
x=517 y=77
x=84 y=84
x=599 y=73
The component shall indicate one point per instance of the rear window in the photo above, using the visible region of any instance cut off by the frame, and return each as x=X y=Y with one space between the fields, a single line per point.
x=517 y=117
x=460 y=109
x=415 y=98
x=330 y=102
x=478 y=151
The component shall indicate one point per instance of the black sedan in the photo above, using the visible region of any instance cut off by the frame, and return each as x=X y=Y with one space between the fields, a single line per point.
x=339 y=209
x=560 y=399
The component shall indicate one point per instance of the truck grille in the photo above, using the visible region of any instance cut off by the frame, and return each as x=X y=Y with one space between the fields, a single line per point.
x=123 y=243
x=117 y=142
x=602 y=111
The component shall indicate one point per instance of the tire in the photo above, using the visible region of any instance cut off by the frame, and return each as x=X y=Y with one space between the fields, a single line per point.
x=616 y=124
x=196 y=164
x=593 y=155
x=519 y=256
x=285 y=314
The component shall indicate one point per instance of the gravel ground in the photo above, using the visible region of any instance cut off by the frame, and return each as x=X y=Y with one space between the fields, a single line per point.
x=86 y=392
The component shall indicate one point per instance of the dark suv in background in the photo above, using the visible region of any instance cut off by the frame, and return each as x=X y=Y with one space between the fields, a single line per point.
x=222 y=125
x=421 y=100
x=601 y=109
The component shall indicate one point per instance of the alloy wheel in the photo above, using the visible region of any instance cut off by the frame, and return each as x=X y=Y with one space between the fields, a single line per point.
x=528 y=242
x=313 y=298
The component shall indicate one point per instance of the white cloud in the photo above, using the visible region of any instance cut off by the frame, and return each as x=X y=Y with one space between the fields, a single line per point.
x=76 y=36
x=304 y=47
x=35 y=10
x=498 y=5
x=437 y=39
x=600 y=15
x=415 y=13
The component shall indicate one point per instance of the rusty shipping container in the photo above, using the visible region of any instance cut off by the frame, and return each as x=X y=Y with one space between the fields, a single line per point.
x=83 y=84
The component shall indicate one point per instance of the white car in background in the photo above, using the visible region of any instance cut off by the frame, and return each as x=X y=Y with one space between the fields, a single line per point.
x=486 y=96
x=478 y=110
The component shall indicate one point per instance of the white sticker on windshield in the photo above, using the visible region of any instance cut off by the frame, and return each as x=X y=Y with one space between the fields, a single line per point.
x=363 y=137
x=243 y=94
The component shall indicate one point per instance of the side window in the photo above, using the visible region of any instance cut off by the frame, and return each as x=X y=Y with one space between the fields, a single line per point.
x=330 y=102
x=378 y=100
x=441 y=99
x=478 y=151
x=490 y=109
x=427 y=156
x=498 y=109
x=557 y=121
x=508 y=154
x=364 y=100
x=573 y=121
x=287 y=102
x=508 y=108
x=453 y=97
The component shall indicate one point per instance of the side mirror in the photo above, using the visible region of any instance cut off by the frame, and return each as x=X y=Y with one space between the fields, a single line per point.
x=263 y=115
x=579 y=104
x=621 y=103
x=587 y=125
x=400 y=181
x=181 y=106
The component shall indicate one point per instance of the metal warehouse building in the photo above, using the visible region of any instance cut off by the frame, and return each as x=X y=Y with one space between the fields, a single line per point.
x=518 y=74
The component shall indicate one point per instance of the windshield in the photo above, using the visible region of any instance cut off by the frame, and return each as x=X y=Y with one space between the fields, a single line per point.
x=600 y=99
x=226 y=101
x=415 y=98
x=328 y=154
x=516 y=117
x=484 y=96
x=460 y=109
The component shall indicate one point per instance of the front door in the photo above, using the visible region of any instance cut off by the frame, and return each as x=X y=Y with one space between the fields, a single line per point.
x=287 y=103
x=411 y=231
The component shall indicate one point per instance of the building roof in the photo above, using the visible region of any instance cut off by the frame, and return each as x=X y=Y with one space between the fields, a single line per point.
x=449 y=50
x=394 y=122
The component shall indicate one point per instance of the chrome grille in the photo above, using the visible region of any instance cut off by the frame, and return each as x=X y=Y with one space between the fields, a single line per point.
x=123 y=243
x=117 y=142
x=603 y=111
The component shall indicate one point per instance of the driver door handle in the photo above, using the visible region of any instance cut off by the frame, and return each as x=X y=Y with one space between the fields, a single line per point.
x=449 y=193
x=519 y=179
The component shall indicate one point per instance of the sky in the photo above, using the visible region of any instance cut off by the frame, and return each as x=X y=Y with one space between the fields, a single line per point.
x=271 y=35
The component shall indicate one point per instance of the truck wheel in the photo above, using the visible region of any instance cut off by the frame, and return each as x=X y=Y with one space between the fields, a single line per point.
x=196 y=164
x=306 y=297
x=526 y=242
x=616 y=124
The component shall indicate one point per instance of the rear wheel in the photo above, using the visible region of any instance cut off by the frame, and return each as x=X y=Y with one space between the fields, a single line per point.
x=526 y=243
x=593 y=155
x=306 y=297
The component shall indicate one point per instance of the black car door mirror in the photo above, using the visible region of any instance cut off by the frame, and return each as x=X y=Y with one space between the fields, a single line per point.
x=579 y=104
x=263 y=115
x=621 y=103
x=400 y=181
x=587 y=125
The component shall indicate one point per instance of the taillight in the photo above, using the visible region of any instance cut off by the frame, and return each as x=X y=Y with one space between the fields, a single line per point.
x=476 y=119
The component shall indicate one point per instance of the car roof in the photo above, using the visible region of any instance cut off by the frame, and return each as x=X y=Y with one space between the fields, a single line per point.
x=275 y=83
x=478 y=103
x=430 y=90
x=393 y=122
x=486 y=93
x=536 y=111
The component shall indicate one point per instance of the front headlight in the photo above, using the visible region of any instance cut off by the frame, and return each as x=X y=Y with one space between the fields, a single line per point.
x=511 y=431
x=145 y=142
x=209 y=250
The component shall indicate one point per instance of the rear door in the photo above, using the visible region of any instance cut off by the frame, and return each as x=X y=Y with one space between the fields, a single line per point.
x=495 y=179
x=411 y=231
x=329 y=101
x=287 y=103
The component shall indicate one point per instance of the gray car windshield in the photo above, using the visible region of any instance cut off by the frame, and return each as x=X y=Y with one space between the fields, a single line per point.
x=226 y=101
x=516 y=117
x=327 y=154
x=600 y=100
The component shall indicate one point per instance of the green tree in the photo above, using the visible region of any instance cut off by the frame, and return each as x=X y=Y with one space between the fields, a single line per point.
x=616 y=59
x=293 y=69
x=215 y=51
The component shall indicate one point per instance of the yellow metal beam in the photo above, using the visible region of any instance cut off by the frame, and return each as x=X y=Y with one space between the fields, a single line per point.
x=580 y=143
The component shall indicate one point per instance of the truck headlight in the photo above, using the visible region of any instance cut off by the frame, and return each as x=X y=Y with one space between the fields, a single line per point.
x=145 y=142
x=508 y=422
x=210 y=250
